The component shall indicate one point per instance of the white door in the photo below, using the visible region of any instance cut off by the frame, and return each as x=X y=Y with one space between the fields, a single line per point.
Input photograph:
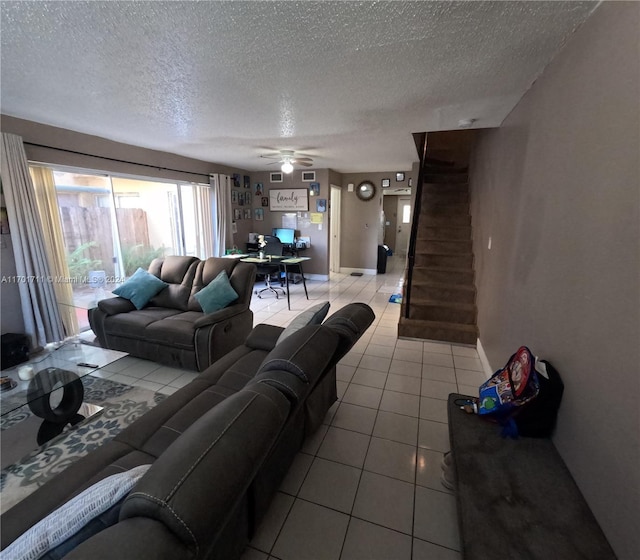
x=403 y=224
x=334 y=217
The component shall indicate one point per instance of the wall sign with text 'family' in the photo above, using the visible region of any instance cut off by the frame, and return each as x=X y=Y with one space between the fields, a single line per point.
x=289 y=200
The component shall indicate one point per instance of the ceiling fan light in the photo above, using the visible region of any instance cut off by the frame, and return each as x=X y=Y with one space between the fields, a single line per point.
x=286 y=167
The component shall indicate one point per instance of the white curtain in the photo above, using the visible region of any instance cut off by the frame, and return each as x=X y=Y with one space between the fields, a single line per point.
x=47 y=199
x=222 y=215
x=203 y=202
x=42 y=319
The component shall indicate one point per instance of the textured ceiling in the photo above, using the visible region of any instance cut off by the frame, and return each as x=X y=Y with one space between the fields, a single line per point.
x=345 y=82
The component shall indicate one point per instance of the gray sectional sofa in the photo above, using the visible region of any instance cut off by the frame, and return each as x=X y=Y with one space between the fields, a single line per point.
x=172 y=329
x=218 y=448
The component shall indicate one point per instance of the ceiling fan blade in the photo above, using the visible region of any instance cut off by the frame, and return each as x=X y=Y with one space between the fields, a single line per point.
x=304 y=163
x=299 y=159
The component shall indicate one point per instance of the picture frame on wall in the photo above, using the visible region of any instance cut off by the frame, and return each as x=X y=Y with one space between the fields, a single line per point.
x=241 y=198
x=234 y=197
x=247 y=198
x=314 y=189
x=247 y=181
x=247 y=213
x=321 y=205
x=400 y=176
x=259 y=189
x=258 y=214
x=265 y=201
x=276 y=177
x=386 y=183
x=237 y=214
x=236 y=180
x=289 y=200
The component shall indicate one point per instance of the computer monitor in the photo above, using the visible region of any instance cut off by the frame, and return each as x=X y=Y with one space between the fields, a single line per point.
x=286 y=236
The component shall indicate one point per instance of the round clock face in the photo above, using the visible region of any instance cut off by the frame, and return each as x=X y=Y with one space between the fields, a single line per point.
x=366 y=190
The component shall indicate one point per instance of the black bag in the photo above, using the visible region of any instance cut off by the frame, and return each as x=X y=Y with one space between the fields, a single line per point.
x=538 y=417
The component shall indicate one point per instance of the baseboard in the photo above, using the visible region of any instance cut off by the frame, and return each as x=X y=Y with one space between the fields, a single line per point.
x=371 y=271
x=488 y=370
x=322 y=277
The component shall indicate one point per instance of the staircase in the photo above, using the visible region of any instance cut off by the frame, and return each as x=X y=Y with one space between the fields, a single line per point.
x=442 y=298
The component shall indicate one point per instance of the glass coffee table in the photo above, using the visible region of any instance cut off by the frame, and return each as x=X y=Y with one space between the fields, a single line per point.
x=55 y=392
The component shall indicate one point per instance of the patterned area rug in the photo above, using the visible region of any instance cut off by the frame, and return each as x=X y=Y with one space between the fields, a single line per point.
x=122 y=405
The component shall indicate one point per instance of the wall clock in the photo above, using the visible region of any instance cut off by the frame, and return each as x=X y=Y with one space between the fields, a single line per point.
x=366 y=190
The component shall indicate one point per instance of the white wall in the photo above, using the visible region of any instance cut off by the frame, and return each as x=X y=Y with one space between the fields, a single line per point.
x=556 y=188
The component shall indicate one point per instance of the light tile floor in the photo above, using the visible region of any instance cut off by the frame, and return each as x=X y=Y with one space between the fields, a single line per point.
x=366 y=485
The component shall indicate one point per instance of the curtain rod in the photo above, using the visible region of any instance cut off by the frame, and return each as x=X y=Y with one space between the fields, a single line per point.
x=117 y=160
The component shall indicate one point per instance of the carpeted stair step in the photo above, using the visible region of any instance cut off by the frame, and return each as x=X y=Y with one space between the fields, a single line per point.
x=442 y=188
x=447 y=197
x=447 y=312
x=437 y=330
x=430 y=220
x=441 y=291
x=446 y=177
x=452 y=209
x=443 y=260
x=450 y=246
x=456 y=233
x=443 y=275
x=434 y=169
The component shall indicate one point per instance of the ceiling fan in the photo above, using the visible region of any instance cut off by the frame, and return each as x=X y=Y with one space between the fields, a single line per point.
x=287 y=158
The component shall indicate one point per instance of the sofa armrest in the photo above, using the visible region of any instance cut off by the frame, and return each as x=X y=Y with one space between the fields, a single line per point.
x=132 y=539
x=195 y=485
x=220 y=315
x=116 y=305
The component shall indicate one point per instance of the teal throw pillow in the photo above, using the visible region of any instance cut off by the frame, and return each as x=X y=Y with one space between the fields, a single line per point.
x=217 y=294
x=312 y=316
x=140 y=288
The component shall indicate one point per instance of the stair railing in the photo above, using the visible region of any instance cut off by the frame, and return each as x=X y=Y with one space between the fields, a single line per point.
x=421 y=144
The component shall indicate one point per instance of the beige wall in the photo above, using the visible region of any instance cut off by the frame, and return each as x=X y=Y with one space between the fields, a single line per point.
x=556 y=188
x=319 y=250
x=114 y=155
x=360 y=233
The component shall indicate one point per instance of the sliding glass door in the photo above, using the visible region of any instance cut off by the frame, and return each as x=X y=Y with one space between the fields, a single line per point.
x=108 y=227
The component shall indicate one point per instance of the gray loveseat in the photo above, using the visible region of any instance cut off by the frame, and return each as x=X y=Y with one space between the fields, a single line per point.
x=172 y=329
x=218 y=448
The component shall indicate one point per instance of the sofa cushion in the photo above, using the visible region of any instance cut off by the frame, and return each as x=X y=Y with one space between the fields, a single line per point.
x=177 y=330
x=75 y=517
x=217 y=294
x=179 y=272
x=140 y=288
x=312 y=316
x=350 y=322
x=133 y=324
x=309 y=349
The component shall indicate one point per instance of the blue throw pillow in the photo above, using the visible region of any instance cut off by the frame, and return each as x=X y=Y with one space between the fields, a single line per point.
x=140 y=288
x=217 y=294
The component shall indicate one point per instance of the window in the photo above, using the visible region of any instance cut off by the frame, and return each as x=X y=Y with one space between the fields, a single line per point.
x=110 y=226
x=406 y=213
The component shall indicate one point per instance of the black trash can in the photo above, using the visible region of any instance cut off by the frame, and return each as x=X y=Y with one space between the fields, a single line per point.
x=382 y=259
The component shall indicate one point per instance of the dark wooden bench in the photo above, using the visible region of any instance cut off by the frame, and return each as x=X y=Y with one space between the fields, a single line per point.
x=516 y=497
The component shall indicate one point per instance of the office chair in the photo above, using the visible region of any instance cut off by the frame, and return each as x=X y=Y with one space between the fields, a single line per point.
x=268 y=269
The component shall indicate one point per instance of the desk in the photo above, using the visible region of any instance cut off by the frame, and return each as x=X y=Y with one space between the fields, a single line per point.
x=294 y=265
x=287 y=248
x=288 y=264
